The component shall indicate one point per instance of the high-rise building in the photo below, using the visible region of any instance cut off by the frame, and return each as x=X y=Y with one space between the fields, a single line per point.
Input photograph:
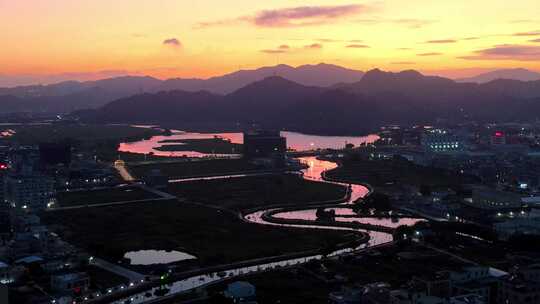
x=264 y=144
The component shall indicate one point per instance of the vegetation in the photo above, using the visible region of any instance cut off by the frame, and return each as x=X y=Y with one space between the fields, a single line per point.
x=377 y=201
x=395 y=171
x=78 y=133
x=214 y=236
x=186 y=168
x=92 y=197
x=256 y=191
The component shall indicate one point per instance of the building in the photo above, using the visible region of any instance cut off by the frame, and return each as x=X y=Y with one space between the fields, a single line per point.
x=497 y=138
x=491 y=199
x=440 y=141
x=521 y=286
x=29 y=190
x=4 y=296
x=265 y=145
x=76 y=283
x=241 y=292
x=51 y=154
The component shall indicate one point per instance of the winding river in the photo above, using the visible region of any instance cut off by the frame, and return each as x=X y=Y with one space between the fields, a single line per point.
x=315 y=171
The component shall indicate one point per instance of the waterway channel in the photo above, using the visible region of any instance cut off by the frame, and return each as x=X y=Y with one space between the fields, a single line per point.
x=315 y=171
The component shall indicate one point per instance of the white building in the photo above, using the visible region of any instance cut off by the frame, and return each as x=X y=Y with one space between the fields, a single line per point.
x=30 y=191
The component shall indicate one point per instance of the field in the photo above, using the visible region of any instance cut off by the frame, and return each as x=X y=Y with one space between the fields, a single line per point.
x=214 y=236
x=33 y=134
x=93 y=197
x=194 y=168
x=208 y=146
x=384 y=172
x=256 y=191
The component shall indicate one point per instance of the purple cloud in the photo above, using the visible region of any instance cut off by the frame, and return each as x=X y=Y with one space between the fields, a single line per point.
x=314 y=46
x=357 y=46
x=172 y=42
x=429 y=54
x=305 y=15
x=507 y=52
x=441 y=41
x=293 y=17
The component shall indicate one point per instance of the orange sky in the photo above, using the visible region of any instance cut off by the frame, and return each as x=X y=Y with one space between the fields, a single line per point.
x=180 y=38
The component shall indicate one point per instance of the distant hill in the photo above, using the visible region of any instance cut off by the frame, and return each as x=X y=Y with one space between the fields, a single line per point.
x=512 y=74
x=379 y=98
x=74 y=95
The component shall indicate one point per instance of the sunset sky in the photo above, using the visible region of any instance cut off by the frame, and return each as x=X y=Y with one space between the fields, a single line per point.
x=54 y=39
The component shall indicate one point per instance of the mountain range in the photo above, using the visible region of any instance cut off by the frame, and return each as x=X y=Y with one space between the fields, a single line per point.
x=74 y=95
x=317 y=98
x=513 y=74
x=377 y=99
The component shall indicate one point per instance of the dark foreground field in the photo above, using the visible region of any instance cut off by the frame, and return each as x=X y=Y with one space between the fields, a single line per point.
x=194 y=168
x=384 y=172
x=215 y=237
x=93 y=197
x=251 y=192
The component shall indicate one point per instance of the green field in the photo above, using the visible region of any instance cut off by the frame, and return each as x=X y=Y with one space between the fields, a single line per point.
x=194 y=168
x=256 y=191
x=93 y=197
x=214 y=236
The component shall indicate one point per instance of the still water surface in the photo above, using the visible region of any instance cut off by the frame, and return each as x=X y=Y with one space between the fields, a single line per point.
x=295 y=141
x=152 y=257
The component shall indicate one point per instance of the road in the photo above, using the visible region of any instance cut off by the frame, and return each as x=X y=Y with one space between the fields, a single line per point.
x=132 y=276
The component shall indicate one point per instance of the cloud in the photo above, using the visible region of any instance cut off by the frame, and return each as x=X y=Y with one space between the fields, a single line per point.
x=356 y=41
x=441 y=41
x=532 y=33
x=284 y=47
x=535 y=40
x=471 y=38
x=507 y=52
x=357 y=46
x=429 y=54
x=271 y=51
x=172 y=42
x=410 y=23
x=314 y=46
x=305 y=15
x=329 y=40
x=404 y=62
x=404 y=49
x=293 y=16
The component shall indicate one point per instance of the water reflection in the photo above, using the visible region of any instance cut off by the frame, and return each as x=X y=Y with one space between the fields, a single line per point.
x=295 y=141
x=311 y=215
x=151 y=257
x=315 y=171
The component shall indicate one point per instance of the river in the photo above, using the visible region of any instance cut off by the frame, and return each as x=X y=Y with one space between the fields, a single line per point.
x=315 y=171
x=295 y=141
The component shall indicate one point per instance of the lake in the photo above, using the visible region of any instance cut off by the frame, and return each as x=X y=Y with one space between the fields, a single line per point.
x=295 y=141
